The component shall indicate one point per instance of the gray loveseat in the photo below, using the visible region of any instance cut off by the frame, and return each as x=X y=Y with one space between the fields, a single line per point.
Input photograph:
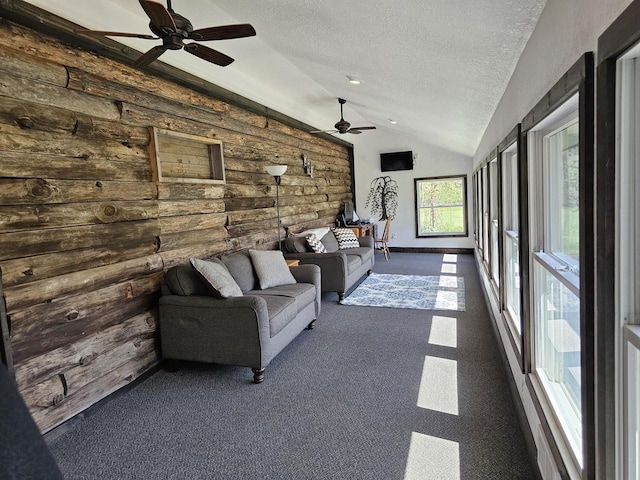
x=247 y=330
x=340 y=268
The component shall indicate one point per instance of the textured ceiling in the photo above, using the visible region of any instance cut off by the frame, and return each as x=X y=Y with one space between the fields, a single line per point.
x=438 y=67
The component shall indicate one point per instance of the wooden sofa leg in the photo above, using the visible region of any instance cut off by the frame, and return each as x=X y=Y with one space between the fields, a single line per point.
x=340 y=296
x=258 y=375
x=312 y=325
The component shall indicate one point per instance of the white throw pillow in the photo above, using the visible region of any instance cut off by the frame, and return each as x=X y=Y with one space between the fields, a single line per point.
x=217 y=277
x=271 y=268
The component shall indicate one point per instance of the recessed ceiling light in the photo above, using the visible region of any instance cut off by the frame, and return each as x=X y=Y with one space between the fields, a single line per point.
x=353 y=80
x=392 y=121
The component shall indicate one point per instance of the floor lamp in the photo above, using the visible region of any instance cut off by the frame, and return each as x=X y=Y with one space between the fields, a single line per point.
x=277 y=171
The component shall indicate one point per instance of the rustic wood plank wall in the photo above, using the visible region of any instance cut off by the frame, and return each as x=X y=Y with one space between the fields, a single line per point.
x=86 y=235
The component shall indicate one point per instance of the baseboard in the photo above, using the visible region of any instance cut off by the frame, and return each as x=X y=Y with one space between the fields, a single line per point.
x=461 y=251
x=71 y=423
x=517 y=401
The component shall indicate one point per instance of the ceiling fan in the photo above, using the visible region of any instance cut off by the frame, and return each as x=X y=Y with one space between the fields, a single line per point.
x=174 y=29
x=343 y=126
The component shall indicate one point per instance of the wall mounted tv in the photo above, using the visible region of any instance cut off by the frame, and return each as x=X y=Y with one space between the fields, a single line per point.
x=392 y=161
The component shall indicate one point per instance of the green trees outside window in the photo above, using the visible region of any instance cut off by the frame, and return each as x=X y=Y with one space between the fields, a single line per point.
x=441 y=207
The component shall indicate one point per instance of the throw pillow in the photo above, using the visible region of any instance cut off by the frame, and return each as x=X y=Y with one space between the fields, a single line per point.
x=271 y=268
x=346 y=238
x=217 y=278
x=314 y=244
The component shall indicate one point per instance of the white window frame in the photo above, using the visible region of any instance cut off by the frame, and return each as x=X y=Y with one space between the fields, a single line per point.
x=510 y=233
x=627 y=286
x=494 y=224
x=465 y=214
x=556 y=265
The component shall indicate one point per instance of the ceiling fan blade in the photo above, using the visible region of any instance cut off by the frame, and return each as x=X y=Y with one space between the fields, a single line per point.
x=354 y=131
x=159 y=15
x=150 y=56
x=351 y=130
x=208 y=54
x=223 y=32
x=324 y=131
x=116 y=34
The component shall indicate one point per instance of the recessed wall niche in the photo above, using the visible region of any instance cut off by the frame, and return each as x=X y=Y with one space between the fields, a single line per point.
x=179 y=157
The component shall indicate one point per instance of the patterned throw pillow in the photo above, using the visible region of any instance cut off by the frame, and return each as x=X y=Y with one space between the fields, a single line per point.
x=314 y=244
x=346 y=238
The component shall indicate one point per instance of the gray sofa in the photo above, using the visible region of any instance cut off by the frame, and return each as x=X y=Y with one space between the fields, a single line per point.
x=340 y=268
x=248 y=330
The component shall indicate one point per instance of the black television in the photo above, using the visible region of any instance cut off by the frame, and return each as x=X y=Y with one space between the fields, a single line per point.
x=392 y=161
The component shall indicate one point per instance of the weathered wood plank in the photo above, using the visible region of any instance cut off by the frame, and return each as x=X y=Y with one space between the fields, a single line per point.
x=184 y=223
x=47 y=94
x=13 y=62
x=49 y=393
x=44 y=327
x=248 y=203
x=31 y=217
x=186 y=191
x=182 y=255
x=49 y=289
x=58 y=361
x=50 y=190
x=171 y=208
x=38 y=242
x=47 y=419
x=31 y=269
x=252 y=228
x=33 y=116
x=54 y=143
x=173 y=241
x=29 y=165
x=244 y=216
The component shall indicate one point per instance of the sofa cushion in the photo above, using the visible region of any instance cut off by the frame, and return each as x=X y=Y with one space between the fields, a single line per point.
x=346 y=238
x=271 y=268
x=296 y=244
x=365 y=253
x=281 y=310
x=217 y=278
x=184 y=280
x=330 y=243
x=241 y=269
x=314 y=244
x=353 y=263
x=302 y=293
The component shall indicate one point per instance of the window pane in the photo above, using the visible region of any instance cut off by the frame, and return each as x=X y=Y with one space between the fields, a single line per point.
x=562 y=148
x=441 y=206
x=495 y=265
x=558 y=351
x=512 y=280
x=632 y=401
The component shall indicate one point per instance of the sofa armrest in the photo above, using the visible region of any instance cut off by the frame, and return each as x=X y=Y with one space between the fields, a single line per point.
x=366 y=241
x=323 y=260
x=310 y=274
x=230 y=331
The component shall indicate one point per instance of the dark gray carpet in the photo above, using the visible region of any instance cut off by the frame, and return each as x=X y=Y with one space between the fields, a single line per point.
x=340 y=402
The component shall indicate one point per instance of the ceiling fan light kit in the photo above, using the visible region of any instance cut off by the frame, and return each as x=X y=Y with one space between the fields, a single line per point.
x=343 y=126
x=174 y=29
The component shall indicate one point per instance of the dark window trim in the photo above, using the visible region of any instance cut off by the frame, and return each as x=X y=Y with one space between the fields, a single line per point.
x=465 y=206
x=619 y=37
x=513 y=137
x=578 y=79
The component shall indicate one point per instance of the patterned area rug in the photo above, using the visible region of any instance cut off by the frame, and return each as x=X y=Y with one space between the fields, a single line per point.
x=443 y=292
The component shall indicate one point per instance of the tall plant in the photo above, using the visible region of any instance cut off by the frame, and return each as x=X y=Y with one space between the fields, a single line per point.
x=383 y=197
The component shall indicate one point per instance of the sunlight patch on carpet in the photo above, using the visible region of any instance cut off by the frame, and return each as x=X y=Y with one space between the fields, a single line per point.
x=420 y=292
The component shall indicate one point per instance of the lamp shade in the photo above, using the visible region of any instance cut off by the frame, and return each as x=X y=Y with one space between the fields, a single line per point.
x=276 y=170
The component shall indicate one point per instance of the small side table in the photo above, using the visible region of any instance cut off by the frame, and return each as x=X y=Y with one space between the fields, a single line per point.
x=293 y=262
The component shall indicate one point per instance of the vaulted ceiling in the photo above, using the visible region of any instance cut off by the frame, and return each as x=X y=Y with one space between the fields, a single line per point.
x=437 y=67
